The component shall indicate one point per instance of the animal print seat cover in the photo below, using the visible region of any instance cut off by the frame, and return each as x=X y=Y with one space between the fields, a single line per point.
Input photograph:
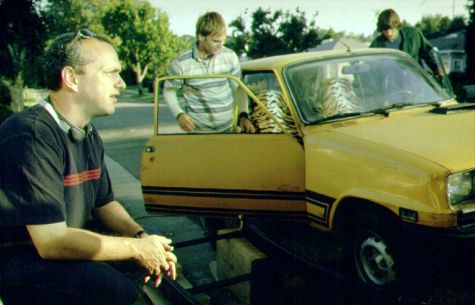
x=274 y=102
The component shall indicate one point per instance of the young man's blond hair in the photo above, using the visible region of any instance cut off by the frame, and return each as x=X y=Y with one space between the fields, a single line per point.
x=210 y=23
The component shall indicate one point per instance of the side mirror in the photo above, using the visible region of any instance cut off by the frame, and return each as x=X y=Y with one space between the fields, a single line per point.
x=467 y=95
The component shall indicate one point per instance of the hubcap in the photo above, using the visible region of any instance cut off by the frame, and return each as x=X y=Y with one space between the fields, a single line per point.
x=375 y=264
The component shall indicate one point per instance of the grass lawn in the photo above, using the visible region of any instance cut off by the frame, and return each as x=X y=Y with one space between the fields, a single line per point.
x=132 y=93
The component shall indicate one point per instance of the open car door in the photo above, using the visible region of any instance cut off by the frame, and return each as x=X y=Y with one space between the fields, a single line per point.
x=219 y=174
x=445 y=80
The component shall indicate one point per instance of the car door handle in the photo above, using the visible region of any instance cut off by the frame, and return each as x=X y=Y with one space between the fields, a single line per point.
x=149 y=149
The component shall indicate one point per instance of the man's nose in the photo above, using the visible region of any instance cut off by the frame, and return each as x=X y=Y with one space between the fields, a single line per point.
x=121 y=84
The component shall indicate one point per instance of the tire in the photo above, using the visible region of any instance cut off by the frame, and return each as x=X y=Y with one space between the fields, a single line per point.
x=371 y=250
x=374 y=258
x=376 y=252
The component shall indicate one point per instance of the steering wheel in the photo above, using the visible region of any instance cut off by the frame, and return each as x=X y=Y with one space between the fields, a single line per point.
x=404 y=94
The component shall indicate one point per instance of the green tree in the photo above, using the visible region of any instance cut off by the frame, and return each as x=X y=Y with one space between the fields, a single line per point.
x=144 y=39
x=21 y=42
x=264 y=37
x=469 y=45
x=62 y=16
x=439 y=25
x=457 y=24
x=240 y=37
x=298 y=32
x=273 y=33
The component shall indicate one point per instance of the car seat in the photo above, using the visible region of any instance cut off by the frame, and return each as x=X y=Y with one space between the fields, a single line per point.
x=274 y=101
x=336 y=96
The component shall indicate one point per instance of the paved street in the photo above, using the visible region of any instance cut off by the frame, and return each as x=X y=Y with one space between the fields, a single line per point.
x=124 y=134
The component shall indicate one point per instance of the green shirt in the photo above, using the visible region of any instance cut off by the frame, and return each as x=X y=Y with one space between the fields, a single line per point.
x=413 y=43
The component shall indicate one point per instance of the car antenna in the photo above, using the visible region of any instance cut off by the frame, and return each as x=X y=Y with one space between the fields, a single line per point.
x=348 y=49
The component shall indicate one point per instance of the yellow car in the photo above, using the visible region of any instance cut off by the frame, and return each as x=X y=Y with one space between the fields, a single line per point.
x=361 y=143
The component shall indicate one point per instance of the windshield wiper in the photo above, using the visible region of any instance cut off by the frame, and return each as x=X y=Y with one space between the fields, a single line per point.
x=341 y=116
x=385 y=111
x=452 y=109
x=397 y=106
x=403 y=105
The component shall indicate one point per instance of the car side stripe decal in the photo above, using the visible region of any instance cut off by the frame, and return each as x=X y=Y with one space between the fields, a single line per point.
x=323 y=201
x=223 y=193
x=218 y=211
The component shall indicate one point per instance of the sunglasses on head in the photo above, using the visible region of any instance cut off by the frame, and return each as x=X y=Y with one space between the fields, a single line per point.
x=82 y=34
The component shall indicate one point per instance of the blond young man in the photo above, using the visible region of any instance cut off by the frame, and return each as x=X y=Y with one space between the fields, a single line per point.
x=208 y=101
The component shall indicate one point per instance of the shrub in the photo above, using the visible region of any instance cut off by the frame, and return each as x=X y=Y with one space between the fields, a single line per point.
x=5 y=102
x=5 y=112
x=5 y=98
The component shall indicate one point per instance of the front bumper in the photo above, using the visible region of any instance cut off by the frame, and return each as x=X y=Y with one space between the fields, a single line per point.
x=459 y=240
x=449 y=251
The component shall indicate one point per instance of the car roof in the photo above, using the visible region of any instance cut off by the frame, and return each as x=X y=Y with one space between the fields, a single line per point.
x=279 y=61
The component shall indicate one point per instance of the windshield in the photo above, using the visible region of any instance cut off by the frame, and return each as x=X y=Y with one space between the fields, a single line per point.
x=323 y=89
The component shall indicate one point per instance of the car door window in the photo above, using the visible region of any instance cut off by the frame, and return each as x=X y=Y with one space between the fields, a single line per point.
x=267 y=89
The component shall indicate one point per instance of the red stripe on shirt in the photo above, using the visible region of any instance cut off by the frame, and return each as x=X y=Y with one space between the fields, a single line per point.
x=76 y=179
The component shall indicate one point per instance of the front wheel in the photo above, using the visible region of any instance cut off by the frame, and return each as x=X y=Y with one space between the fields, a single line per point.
x=374 y=258
x=370 y=249
x=377 y=252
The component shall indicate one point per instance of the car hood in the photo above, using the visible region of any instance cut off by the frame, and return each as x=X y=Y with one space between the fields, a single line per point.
x=446 y=139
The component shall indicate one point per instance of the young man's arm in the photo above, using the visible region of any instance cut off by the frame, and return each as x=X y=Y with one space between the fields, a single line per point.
x=184 y=120
x=428 y=54
x=243 y=119
x=241 y=98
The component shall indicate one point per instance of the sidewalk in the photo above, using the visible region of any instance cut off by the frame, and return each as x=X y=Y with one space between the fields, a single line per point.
x=127 y=190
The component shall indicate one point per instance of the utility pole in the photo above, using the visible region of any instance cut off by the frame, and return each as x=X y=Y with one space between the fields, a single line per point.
x=453 y=9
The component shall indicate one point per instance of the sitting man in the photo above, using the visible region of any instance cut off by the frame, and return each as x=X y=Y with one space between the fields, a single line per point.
x=53 y=178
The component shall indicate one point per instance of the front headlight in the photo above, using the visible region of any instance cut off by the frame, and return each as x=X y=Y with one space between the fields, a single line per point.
x=460 y=187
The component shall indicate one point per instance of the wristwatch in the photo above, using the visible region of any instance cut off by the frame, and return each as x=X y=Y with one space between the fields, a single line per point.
x=140 y=234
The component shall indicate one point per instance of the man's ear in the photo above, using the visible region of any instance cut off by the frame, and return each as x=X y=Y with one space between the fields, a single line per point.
x=69 y=78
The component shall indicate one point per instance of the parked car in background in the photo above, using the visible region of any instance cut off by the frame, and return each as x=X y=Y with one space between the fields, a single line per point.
x=362 y=144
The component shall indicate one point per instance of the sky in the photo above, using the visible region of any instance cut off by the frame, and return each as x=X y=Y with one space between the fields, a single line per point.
x=351 y=16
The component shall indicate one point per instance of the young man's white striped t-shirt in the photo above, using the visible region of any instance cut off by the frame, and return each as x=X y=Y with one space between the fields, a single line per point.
x=209 y=101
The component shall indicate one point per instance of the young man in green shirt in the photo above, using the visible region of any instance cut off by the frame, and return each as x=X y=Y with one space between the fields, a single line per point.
x=407 y=39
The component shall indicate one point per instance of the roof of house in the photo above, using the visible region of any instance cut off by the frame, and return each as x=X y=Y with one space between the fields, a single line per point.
x=452 y=41
x=339 y=44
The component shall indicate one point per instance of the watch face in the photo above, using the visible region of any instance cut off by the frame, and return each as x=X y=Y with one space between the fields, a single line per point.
x=140 y=234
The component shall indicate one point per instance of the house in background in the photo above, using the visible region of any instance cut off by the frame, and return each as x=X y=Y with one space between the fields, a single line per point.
x=339 y=44
x=452 y=51
x=451 y=48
